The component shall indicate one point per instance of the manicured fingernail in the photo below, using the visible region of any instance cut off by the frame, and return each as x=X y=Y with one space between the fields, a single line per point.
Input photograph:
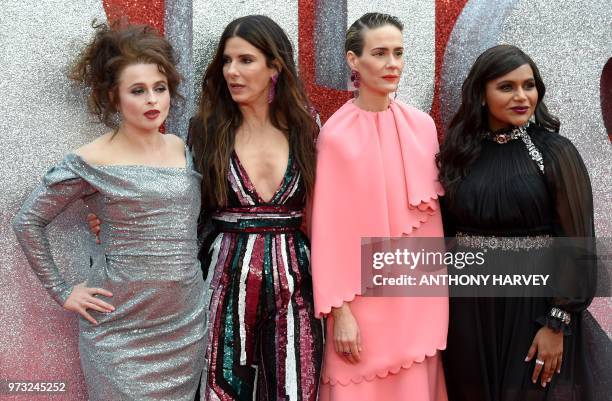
x=549 y=379
x=544 y=384
x=527 y=358
x=534 y=380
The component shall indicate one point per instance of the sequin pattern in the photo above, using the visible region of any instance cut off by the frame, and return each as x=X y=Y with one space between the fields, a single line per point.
x=264 y=341
x=151 y=345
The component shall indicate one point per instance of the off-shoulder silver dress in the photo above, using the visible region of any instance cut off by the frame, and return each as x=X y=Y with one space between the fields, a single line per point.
x=152 y=346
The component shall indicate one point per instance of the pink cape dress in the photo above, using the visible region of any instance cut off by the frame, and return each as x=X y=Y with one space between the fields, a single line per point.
x=373 y=170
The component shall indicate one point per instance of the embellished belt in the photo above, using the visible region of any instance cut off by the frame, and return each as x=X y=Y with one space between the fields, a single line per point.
x=257 y=219
x=504 y=243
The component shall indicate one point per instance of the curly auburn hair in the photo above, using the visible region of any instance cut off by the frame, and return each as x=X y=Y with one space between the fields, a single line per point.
x=113 y=48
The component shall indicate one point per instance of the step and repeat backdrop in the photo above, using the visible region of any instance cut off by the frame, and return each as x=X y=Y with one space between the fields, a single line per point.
x=43 y=116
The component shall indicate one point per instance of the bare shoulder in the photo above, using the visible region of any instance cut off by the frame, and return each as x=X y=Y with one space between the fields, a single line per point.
x=97 y=151
x=176 y=145
x=175 y=141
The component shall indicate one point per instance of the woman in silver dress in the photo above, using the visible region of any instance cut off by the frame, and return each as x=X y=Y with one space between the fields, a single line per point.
x=142 y=311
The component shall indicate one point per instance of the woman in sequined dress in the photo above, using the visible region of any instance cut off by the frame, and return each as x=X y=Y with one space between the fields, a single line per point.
x=376 y=177
x=253 y=139
x=506 y=177
x=142 y=309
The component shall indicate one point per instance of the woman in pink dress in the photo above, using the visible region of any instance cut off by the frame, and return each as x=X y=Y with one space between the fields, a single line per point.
x=376 y=177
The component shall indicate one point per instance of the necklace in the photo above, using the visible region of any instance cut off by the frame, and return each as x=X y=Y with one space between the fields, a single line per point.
x=506 y=135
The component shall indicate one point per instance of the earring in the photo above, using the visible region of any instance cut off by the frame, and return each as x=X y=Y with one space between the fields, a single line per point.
x=272 y=89
x=355 y=79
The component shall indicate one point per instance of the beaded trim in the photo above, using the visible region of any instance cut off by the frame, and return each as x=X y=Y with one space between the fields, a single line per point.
x=561 y=315
x=505 y=136
x=504 y=243
x=533 y=151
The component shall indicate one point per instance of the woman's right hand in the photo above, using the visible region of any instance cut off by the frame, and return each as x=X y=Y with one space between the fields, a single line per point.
x=347 y=338
x=82 y=298
x=94 y=226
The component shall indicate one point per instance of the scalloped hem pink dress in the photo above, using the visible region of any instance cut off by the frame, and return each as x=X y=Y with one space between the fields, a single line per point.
x=376 y=177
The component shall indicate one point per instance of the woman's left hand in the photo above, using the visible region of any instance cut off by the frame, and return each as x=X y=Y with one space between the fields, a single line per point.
x=549 y=348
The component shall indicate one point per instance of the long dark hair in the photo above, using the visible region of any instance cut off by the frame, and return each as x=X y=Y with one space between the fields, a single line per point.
x=462 y=142
x=214 y=128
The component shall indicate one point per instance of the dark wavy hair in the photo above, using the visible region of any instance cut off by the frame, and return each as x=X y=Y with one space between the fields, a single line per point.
x=113 y=48
x=213 y=129
x=462 y=142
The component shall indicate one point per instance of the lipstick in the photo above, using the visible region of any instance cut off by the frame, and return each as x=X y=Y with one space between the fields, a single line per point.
x=520 y=109
x=152 y=114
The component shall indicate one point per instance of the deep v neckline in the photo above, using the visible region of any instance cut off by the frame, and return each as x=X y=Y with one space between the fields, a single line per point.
x=279 y=187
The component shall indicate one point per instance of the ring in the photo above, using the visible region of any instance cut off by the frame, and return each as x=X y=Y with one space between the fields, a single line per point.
x=539 y=362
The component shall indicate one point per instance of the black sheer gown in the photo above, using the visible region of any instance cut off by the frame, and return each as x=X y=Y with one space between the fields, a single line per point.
x=505 y=194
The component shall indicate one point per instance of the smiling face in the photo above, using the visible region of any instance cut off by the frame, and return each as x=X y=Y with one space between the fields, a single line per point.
x=246 y=72
x=511 y=99
x=144 y=98
x=382 y=59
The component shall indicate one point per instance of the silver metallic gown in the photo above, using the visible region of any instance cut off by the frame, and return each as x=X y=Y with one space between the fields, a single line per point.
x=152 y=346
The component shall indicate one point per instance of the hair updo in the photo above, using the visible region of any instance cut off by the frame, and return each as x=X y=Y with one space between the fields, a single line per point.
x=354 y=35
x=113 y=48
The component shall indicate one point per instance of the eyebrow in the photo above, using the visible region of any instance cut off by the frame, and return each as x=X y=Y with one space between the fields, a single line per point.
x=386 y=48
x=156 y=83
x=508 y=81
x=242 y=55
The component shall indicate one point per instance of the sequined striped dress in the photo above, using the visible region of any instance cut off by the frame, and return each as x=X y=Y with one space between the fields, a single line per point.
x=264 y=341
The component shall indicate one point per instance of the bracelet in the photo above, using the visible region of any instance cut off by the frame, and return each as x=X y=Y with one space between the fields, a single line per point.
x=560 y=314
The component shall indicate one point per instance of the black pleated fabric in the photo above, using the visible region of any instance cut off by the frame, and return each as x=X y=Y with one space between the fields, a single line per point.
x=505 y=194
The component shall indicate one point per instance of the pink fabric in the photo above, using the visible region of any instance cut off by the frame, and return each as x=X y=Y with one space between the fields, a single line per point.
x=424 y=381
x=375 y=173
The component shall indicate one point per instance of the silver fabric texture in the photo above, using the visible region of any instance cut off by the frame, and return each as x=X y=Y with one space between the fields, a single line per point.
x=152 y=346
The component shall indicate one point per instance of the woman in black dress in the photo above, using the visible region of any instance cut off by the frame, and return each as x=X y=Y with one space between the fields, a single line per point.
x=507 y=174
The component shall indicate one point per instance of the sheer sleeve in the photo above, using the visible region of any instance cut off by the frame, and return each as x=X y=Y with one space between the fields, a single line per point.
x=570 y=188
x=59 y=189
x=448 y=221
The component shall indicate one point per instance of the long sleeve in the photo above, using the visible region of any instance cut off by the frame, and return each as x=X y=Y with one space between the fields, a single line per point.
x=570 y=187
x=448 y=220
x=59 y=189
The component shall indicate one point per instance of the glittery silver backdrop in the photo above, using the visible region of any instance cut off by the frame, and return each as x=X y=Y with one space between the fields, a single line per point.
x=43 y=116
x=570 y=45
x=178 y=23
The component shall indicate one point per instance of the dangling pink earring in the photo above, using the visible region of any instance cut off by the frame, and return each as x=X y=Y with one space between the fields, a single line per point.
x=272 y=89
x=355 y=79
